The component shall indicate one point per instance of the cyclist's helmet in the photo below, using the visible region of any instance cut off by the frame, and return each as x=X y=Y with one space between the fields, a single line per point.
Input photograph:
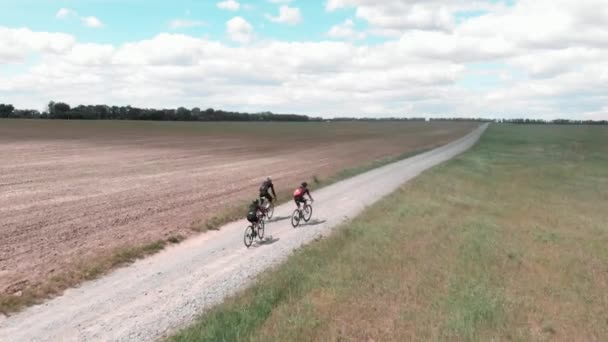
x=269 y=179
x=304 y=184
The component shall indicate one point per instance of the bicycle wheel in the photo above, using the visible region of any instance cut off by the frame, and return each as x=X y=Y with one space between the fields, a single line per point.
x=270 y=210
x=307 y=214
x=248 y=236
x=261 y=230
x=295 y=218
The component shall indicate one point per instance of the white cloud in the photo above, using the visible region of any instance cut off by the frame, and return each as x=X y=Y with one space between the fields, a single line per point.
x=550 y=63
x=92 y=22
x=90 y=55
x=17 y=44
x=345 y=30
x=239 y=30
x=89 y=21
x=392 y=17
x=177 y=24
x=545 y=24
x=64 y=13
x=601 y=114
x=287 y=15
x=230 y=5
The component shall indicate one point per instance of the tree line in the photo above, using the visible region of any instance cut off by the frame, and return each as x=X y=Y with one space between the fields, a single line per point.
x=63 y=111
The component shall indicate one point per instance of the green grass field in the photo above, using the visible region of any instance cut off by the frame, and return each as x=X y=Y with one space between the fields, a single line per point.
x=506 y=242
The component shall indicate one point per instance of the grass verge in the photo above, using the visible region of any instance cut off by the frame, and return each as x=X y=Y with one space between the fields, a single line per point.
x=82 y=272
x=506 y=242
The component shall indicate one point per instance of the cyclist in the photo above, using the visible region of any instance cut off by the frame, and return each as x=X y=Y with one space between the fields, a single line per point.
x=254 y=209
x=264 y=190
x=298 y=194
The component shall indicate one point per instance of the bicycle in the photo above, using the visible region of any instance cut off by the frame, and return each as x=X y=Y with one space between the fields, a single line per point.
x=304 y=213
x=254 y=230
x=268 y=207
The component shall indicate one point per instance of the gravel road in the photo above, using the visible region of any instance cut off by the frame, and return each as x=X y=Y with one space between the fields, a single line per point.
x=154 y=296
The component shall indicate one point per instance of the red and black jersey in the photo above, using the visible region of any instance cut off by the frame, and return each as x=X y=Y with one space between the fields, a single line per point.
x=300 y=192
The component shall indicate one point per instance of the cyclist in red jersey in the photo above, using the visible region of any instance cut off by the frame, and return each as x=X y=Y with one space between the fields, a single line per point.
x=298 y=194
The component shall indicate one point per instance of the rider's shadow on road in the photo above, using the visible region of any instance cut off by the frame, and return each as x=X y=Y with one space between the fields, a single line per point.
x=267 y=241
x=313 y=222
x=277 y=219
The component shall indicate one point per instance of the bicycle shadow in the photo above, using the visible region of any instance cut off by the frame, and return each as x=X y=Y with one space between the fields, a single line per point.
x=313 y=222
x=269 y=240
x=277 y=219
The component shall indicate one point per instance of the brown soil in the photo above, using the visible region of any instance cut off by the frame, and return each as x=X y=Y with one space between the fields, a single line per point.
x=72 y=191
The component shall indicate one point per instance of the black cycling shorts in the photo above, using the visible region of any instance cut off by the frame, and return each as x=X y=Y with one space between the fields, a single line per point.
x=266 y=195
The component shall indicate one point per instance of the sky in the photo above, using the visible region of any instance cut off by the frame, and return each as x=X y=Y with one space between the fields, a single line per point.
x=481 y=58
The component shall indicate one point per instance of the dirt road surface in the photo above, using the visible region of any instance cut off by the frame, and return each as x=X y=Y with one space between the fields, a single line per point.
x=154 y=296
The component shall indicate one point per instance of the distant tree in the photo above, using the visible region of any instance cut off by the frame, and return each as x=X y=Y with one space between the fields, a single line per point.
x=59 y=110
x=6 y=110
x=102 y=111
x=183 y=114
x=208 y=114
x=196 y=113
x=51 y=109
x=26 y=114
x=133 y=113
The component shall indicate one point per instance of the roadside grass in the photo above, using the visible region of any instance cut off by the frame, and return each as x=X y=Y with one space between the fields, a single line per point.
x=81 y=272
x=101 y=265
x=505 y=242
